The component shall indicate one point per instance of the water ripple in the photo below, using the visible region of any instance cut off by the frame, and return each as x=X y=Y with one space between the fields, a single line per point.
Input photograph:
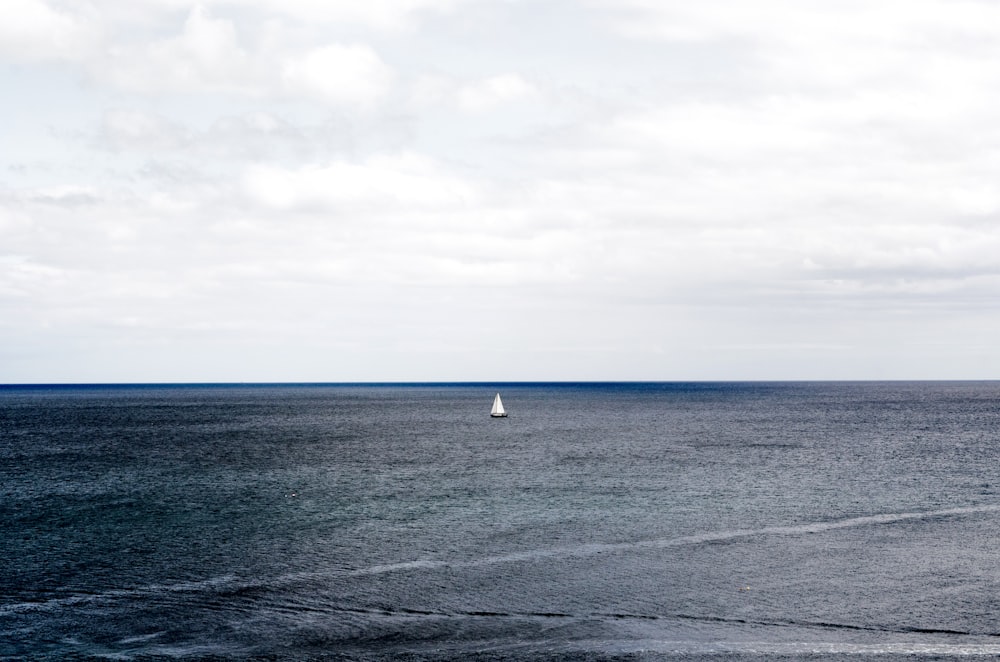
x=591 y=549
x=232 y=584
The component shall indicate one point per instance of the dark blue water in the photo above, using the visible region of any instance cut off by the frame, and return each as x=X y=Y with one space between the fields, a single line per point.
x=598 y=521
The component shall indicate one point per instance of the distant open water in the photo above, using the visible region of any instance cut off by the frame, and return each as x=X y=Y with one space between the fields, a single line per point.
x=740 y=521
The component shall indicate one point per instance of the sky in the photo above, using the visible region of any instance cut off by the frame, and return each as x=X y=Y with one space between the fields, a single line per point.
x=495 y=190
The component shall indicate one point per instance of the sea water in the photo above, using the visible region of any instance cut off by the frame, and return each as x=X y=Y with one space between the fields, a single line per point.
x=598 y=521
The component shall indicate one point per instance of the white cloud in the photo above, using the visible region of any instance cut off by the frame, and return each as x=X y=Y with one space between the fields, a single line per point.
x=390 y=15
x=982 y=200
x=32 y=30
x=379 y=14
x=258 y=135
x=205 y=57
x=430 y=90
x=213 y=55
x=208 y=56
x=348 y=74
x=689 y=175
x=63 y=196
x=893 y=22
x=22 y=278
x=722 y=133
x=137 y=130
x=490 y=92
x=473 y=96
x=395 y=182
x=815 y=44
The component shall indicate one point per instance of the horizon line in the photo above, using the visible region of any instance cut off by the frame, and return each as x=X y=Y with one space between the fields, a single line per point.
x=506 y=382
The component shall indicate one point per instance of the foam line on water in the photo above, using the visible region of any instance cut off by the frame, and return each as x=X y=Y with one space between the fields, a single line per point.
x=591 y=549
x=814 y=527
x=790 y=648
x=113 y=594
x=407 y=612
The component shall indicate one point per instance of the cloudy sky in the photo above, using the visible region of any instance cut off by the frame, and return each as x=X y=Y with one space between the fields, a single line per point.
x=327 y=190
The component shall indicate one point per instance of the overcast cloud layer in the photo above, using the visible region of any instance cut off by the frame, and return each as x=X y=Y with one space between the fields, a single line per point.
x=316 y=190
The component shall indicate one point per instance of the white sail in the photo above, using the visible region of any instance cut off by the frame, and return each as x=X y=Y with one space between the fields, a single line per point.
x=497 y=407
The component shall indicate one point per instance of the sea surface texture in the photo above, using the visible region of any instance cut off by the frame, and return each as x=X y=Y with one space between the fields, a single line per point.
x=716 y=521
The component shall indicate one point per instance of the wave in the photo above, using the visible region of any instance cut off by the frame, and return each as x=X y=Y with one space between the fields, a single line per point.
x=212 y=583
x=591 y=549
x=784 y=648
x=232 y=585
x=622 y=616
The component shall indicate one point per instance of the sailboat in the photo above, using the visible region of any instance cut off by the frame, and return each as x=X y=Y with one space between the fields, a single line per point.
x=498 y=411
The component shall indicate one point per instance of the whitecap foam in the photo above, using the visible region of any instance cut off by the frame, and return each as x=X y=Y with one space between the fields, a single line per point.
x=118 y=593
x=592 y=549
x=792 y=648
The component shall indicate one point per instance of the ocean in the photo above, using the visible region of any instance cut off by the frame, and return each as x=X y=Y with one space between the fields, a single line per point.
x=618 y=521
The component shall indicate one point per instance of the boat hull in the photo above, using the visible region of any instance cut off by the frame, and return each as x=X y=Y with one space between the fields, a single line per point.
x=498 y=415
